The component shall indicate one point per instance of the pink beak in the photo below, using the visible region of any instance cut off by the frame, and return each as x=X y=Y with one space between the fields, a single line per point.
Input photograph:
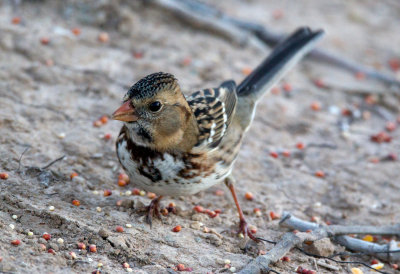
x=126 y=113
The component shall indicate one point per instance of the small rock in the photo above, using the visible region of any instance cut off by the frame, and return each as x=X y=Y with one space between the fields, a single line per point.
x=103 y=233
x=323 y=247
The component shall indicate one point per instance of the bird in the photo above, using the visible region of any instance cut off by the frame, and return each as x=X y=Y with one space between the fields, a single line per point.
x=174 y=145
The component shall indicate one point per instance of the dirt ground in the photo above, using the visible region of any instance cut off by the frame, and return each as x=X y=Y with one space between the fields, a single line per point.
x=52 y=93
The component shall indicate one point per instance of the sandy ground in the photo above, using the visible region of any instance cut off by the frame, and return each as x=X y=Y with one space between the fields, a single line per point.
x=55 y=90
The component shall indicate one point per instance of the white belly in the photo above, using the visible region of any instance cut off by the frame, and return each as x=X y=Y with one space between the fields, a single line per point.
x=162 y=174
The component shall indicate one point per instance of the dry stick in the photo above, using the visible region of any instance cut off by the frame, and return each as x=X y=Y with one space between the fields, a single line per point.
x=203 y=16
x=387 y=252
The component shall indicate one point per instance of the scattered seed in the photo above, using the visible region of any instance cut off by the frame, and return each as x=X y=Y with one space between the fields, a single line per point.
x=368 y=238
x=97 y=123
x=177 y=228
x=273 y=215
x=249 y=196
x=61 y=135
x=316 y=106
x=16 y=20
x=320 y=174
x=42 y=247
x=30 y=233
x=12 y=226
x=107 y=136
x=81 y=246
x=122 y=183
x=374 y=261
x=219 y=192
x=275 y=90
x=125 y=265
x=381 y=137
x=390 y=126
x=198 y=209
x=142 y=193
x=119 y=203
x=287 y=87
x=257 y=212
x=76 y=31
x=4 y=175
x=51 y=208
x=135 y=191
x=99 y=265
x=45 y=40
x=96 y=192
x=51 y=251
x=107 y=192
x=73 y=174
x=300 y=145
x=60 y=241
x=138 y=54
x=180 y=267
x=128 y=225
x=72 y=255
x=15 y=242
x=151 y=195
x=98 y=209
x=103 y=37
x=395 y=266
x=119 y=229
x=232 y=269
x=76 y=202
x=356 y=270
x=46 y=236
x=227 y=261
x=286 y=153
x=273 y=154
x=164 y=211
x=186 y=61
x=377 y=266
x=285 y=259
x=277 y=14
x=360 y=75
x=394 y=64
x=240 y=235
x=319 y=83
x=93 y=248
x=14 y=217
x=129 y=269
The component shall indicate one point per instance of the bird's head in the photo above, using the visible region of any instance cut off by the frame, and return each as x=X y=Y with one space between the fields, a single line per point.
x=157 y=114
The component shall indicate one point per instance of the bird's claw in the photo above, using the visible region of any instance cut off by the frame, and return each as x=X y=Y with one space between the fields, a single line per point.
x=244 y=230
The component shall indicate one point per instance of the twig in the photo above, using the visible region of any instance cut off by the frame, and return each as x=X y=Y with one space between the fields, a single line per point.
x=53 y=162
x=201 y=15
x=20 y=157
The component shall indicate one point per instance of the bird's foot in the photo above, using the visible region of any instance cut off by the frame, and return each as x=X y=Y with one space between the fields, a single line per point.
x=153 y=209
x=245 y=230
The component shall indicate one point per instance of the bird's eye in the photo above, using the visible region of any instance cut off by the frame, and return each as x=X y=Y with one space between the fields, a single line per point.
x=155 y=106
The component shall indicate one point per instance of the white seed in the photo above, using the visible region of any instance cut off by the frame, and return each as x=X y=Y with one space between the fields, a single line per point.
x=95 y=192
x=90 y=259
x=51 y=208
x=29 y=233
x=98 y=209
x=128 y=225
x=240 y=235
x=232 y=269
x=60 y=241
x=61 y=135
x=258 y=213
x=128 y=193
x=14 y=217
x=99 y=265
x=317 y=204
x=129 y=269
x=227 y=261
x=142 y=193
x=12 y=226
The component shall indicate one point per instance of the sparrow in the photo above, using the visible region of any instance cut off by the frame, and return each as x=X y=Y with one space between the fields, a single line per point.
x=174 y=145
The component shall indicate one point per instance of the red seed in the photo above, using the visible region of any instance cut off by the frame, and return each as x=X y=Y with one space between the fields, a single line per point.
x=151 y=195
x=73 y=174
x=186 y=61
x=171 y=204
x=316 y=106
x=285 y=259
x=45 y=40
x=46 y=236
x=381 y=137
x=4 y=175
x=125 y=265
x=15 y=242
x=51 y=251
x=97 y=123
x=76 y=202
x=81 y=246
x=177 y=228
x=308 y=230
x=273 y=215
x=395 y=266
x=76 y=31
x=107 y=136
x=16 y=20
x=287 y=87
x=218 y=211
x=390 y=126
x=300 y=145
x=346 y=112
x=107 y=192
x=138 y=54
x=319 y=83
x=320 y=174
x=299 y=269
x=164 y=211
x=253 y=230
x=249 y=196
x=360 y=75
x=246 y=71
x=198 y=209
x=42 y=247
x=219 y=192
x=255 y=210
x=275 y=90
x=122 y=183
x=93 y=248
x=212 y=214
x=286 y=153
x=314 y=219
x=118 y=203
x=328 y=222
x=119 y=229
x=123 y=177
x=273 y=154
x=103 y=37
x=394 y=64
x=135 y=191
x=374 y=261
x=103 y=119
x=180 y=267
x=370 y=99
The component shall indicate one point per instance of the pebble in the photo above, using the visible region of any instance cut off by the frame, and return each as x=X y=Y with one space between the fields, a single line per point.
x=232 y=269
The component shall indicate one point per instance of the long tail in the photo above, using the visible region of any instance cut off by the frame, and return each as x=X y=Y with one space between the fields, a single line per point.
x=284 y=56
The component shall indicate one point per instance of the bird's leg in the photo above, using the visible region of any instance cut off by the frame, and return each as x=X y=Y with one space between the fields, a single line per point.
x=243 y=228
x=153 y=210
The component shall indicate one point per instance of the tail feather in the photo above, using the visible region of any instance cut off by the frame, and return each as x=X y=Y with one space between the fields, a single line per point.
x=284 y=56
